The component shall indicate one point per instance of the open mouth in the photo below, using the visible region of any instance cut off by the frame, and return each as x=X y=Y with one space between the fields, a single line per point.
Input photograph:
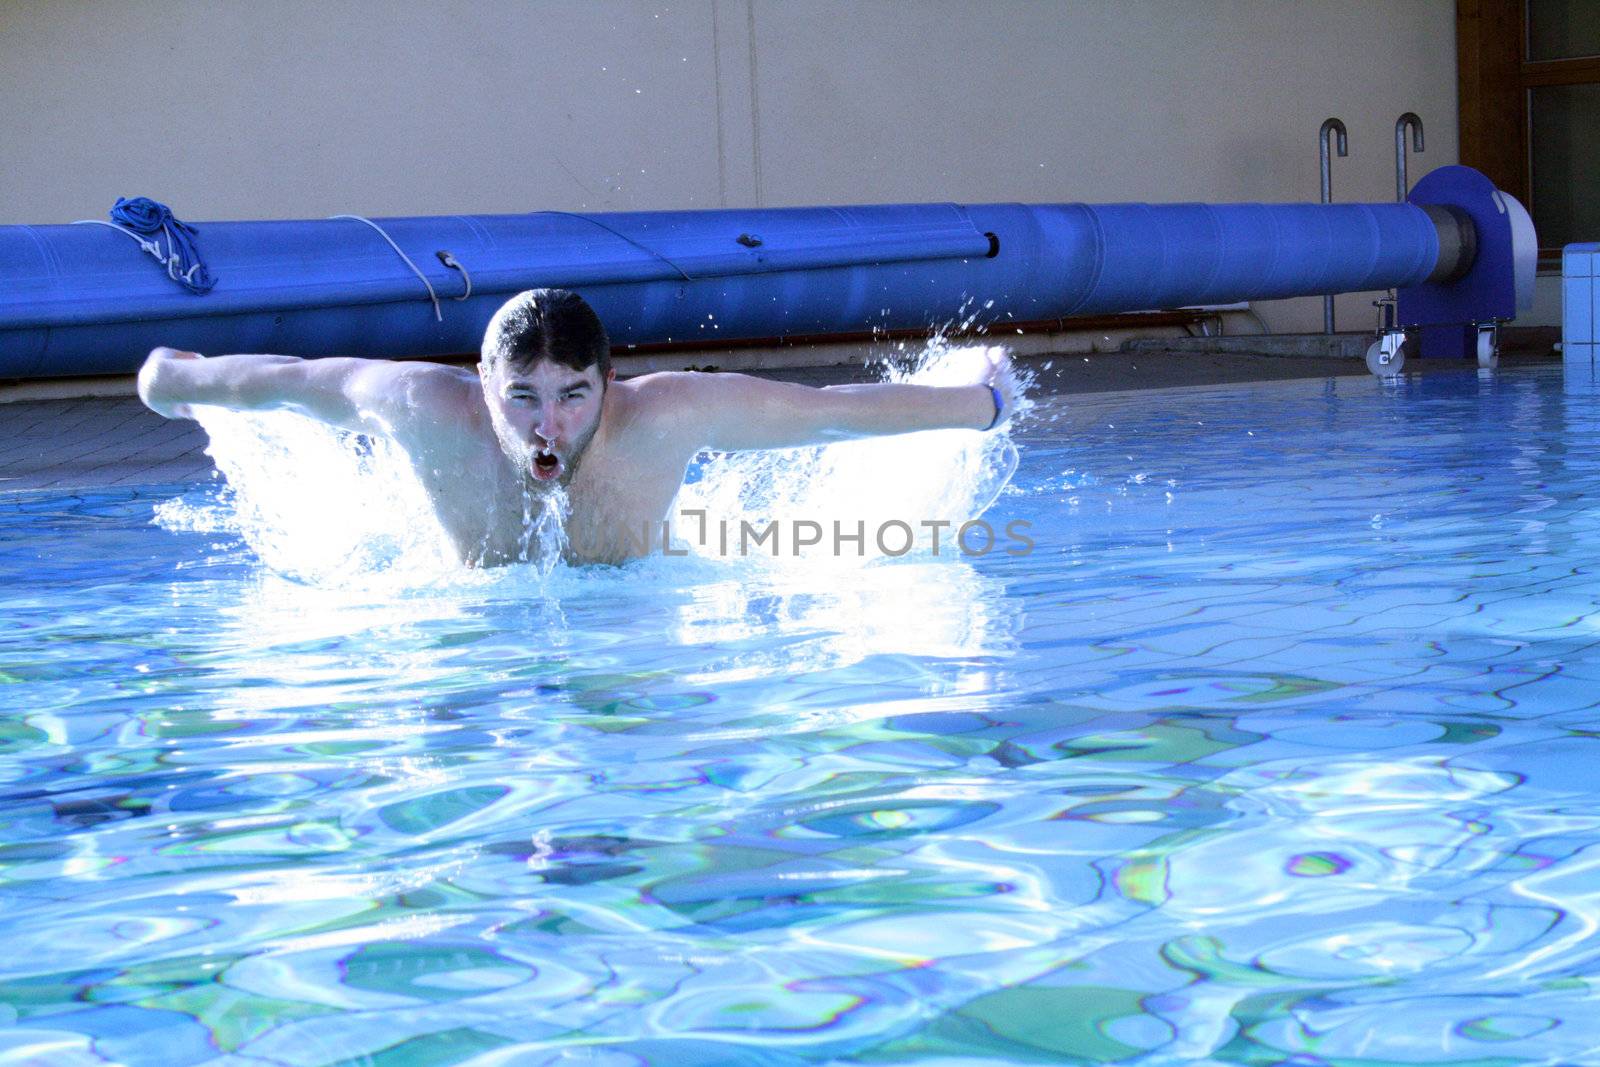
x=546 y=465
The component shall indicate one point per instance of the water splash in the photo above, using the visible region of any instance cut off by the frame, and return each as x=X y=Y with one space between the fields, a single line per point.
x=544 y=528
x=921 y=479
x=314 y=503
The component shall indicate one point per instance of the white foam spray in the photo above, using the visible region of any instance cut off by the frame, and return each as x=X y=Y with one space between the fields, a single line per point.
x=544 y=528
x=315 y=503
x=935 y=476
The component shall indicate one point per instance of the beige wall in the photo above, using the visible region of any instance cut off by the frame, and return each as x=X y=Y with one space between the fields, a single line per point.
x=282 y=108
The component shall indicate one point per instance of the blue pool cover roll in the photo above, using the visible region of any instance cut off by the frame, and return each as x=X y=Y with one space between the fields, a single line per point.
x=80 y=300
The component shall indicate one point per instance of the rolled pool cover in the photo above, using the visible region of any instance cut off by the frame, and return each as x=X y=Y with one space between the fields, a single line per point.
x=85 y=299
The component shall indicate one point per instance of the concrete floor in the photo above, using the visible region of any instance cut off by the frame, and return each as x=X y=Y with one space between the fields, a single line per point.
x=107 y=441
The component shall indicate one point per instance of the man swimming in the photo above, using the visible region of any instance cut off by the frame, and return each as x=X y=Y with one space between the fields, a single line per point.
x=543 y=409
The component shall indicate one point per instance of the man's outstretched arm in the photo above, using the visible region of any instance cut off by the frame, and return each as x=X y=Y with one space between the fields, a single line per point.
x=733 y=412
x=349 y=393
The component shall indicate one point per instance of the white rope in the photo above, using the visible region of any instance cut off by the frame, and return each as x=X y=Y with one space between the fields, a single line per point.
x=437 y=315
x=149 y=246
x=172 y=261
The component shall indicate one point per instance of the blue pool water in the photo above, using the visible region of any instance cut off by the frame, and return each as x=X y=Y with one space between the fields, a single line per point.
x=1279 y=746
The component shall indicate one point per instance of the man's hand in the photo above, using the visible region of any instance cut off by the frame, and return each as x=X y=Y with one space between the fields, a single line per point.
x=999 y=373
x=154 y=377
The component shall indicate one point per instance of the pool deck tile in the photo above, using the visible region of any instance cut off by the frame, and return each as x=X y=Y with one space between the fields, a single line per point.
x=1579 y=375
x=86 y=444
x=1577 y=310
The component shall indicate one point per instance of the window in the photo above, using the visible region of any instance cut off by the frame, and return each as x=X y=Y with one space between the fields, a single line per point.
x=1529 y=74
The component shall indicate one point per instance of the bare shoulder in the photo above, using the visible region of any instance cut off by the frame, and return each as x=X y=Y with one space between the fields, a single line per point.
x=684 y=393
x=398 y=388
x=696 y=408
x=438 y=381
x=659 y=386
x=656 y=399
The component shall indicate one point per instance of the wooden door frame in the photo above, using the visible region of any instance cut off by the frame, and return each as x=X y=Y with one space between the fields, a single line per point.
x=1493 y=76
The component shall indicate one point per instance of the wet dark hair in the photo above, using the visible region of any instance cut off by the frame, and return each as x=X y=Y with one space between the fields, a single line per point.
x=554 y=324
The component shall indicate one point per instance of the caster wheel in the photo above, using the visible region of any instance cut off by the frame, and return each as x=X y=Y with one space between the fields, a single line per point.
x=1488 y=349
x=1383 y=363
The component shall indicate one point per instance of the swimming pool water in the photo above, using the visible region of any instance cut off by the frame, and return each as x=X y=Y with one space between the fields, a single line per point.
x=1280 y=746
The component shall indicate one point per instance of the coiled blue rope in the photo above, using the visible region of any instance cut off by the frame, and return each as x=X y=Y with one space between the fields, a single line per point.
x=148 y=221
